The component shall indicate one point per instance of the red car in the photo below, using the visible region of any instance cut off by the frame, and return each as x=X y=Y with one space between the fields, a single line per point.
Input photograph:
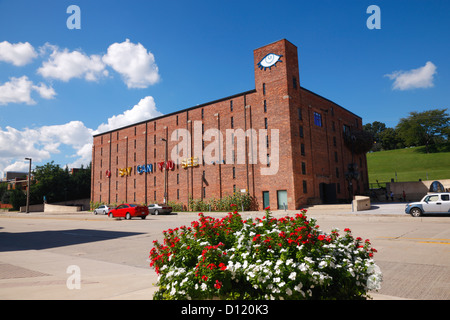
x=128 y=210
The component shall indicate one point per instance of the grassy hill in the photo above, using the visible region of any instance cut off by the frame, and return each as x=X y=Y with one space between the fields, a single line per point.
x=411 y=164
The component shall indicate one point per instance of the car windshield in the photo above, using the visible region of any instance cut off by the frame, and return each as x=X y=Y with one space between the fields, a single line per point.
x=133 y=205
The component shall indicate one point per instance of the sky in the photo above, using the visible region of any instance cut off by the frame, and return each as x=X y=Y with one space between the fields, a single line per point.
x=68 y=73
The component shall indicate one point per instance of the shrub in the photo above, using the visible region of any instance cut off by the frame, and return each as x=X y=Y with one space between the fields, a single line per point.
x=286 y=258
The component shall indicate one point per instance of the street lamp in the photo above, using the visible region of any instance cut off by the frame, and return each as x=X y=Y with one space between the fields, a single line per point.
x=28 y=185
x=165 y=172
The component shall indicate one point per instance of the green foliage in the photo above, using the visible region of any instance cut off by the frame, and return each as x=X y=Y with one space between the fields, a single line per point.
x=236 y=201
x=57 y=184
x=285 y=258
x=424 y=128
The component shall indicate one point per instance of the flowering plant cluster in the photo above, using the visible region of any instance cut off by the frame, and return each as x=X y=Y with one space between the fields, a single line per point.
x=269 y=258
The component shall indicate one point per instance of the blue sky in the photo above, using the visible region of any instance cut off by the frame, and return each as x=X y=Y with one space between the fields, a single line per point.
x=132 y=60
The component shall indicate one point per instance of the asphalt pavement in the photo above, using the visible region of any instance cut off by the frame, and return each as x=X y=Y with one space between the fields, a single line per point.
x=41 y=274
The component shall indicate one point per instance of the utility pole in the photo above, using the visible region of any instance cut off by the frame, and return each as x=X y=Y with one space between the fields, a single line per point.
x=28 y=185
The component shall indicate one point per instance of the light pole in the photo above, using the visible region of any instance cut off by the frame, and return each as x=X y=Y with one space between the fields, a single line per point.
x=28 y=185
x=165 y=172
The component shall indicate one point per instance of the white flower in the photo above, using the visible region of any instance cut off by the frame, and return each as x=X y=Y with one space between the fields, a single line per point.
x=322 y=264
x=289 y=292
x=281 y=284
x=292 y=275
x=204 y=286
x=276 y=279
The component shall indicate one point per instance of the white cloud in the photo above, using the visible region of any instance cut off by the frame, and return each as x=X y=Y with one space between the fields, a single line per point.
x=416 y=78
x=134 y=63
x=19 y=54
x=18 y=90
x=65 y=65
x=41 y=144
x=144 y=110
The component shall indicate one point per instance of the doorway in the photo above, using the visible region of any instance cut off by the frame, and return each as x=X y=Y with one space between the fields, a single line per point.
x=266 y=199
x=282 y=199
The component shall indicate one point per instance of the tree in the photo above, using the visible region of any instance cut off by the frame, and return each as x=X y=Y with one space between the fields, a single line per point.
x=376 y=128
x=359 y=141
x=57 y=184
x=424 y=128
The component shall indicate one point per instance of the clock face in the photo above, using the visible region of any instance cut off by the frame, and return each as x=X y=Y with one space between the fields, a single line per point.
x=269 y=61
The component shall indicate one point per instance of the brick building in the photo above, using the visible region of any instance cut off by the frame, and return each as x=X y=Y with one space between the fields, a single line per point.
x=280 y=142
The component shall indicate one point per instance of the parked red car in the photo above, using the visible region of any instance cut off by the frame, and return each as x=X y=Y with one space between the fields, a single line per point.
x=128 y=210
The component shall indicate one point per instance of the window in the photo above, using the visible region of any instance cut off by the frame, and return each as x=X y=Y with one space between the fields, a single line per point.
x=299 y=113
x=234 y=172
x=265 y=106
x=305 y=187
x=302 y=149
x=335 y=156
x=294 y=82
x=301 y=131
x=265 y=123
x=317 y=119
x=232 y=123
x=264 y=88
x=231 y=105
x=203 y=113
x=303 y=168
x=337 y=172
x=444 y=197
x=178 y=194
x=334 y=141
x=178 y=178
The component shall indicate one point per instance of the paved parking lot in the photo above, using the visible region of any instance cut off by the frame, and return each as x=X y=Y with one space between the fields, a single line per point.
x=36 y=251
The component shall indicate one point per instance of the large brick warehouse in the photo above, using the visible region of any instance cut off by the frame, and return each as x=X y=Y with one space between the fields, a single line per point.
x=280 y=142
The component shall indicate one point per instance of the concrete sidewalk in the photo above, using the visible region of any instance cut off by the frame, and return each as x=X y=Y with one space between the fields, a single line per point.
x=48 y=279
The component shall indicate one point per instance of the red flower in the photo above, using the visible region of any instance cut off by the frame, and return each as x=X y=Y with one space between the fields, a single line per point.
x=222 y=266
x=233 y=205
x=204 y=278
x=267 y=208
x=218 y=284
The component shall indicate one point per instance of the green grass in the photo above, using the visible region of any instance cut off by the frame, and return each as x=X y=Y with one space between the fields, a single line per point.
x=411 y=164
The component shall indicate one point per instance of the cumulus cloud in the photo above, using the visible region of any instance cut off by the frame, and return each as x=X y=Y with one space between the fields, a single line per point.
x=44 y=142
x=144 y=110
x=134 y=63
x=416 y=78
x=19 y=54
x=18 y=90
x=41 y=143
x=65 y=65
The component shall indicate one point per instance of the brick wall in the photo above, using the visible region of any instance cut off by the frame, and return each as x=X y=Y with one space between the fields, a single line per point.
x=309 y=154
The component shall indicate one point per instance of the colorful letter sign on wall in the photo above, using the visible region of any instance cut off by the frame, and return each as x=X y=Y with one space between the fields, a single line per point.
x=168 y=165
x=146 y=168
x=189 y=162
x=125 y=171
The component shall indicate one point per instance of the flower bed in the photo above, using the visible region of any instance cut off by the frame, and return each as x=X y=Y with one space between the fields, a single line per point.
x=286 y=258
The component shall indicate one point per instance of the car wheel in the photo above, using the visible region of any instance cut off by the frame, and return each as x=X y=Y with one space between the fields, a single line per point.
x=128 y=216
x=416 y=212
x=143 y=217
x=156 y=212
x=95 y=212
x=104 y=212
x=111 y=215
